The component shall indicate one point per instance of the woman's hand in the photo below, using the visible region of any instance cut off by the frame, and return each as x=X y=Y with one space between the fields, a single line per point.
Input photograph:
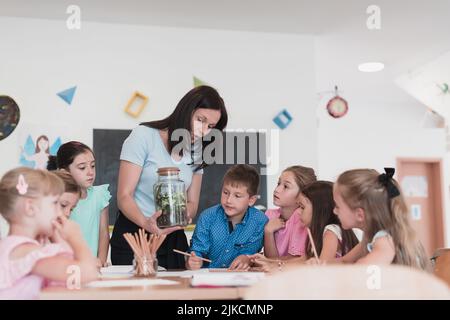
x=274 y=225
x=151 y=225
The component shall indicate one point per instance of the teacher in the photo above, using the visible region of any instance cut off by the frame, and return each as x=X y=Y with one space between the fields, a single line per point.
x=149 y=147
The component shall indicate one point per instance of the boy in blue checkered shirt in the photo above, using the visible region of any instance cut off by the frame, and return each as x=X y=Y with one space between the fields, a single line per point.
x=230 y=231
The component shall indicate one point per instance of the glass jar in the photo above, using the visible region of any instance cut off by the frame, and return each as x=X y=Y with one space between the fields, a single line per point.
x=170 y=198
x=145 y=266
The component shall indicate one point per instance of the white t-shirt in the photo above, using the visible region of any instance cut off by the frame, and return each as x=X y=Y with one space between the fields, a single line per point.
x=338 y=231
x=335 y=229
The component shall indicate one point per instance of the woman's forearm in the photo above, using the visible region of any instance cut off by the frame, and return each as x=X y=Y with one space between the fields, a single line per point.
x=129 y=208
x=191 y=208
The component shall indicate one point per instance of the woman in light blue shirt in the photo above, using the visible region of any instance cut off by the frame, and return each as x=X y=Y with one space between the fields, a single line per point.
x=150 y=147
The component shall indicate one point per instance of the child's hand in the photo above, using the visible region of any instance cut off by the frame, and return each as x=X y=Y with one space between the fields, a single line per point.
x=57 y=238
x=263 y=264
x=194 y=262
x=101 y=264
x=66 y=229
x=256 y=256
x=314 y=261
x=242 y=262
x=274 y=225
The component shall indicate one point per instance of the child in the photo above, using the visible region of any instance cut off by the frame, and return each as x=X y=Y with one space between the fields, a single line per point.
x=317 y=214
x=373 y=202
x=284 y=234
x=72 y=193
x=29 y=202
x=228 y=232
x=91 y=211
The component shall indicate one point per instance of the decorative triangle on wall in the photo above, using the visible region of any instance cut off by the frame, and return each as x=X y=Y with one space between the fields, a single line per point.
x=198 y=82
x=67 y=95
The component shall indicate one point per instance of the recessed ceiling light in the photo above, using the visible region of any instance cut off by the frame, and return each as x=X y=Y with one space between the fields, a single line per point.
x=371 y=67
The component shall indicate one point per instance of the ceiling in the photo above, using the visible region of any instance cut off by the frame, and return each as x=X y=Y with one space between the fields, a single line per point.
x=412 y=32
x=407 y=26
x=285 y=16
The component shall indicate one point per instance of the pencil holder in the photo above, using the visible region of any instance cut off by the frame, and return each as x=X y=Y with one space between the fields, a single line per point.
x=145 y=266
x=145 y=262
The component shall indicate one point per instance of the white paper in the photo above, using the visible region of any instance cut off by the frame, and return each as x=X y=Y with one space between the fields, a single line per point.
x=129 y=283
x=228 y=279
x=119 y=271
x=182 y=274
x=116 y=270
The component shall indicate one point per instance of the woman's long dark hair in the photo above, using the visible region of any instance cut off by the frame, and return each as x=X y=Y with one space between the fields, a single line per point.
x=200 y=97
x=320 y=194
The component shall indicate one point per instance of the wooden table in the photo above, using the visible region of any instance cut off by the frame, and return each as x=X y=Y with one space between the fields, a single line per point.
x=181 y=291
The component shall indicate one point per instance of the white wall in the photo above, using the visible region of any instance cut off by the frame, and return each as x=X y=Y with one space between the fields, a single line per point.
x=383 y=122
x=257 y=74
x=422 y=83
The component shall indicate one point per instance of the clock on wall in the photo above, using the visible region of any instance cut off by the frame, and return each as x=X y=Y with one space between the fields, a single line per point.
x=337 y=107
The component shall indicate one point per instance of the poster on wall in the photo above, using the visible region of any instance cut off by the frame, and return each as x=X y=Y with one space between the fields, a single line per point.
x=37 y=143
x=415 y=186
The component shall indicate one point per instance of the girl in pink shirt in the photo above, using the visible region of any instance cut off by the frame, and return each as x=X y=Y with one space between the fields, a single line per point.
x=284 y=234
x=28 y=262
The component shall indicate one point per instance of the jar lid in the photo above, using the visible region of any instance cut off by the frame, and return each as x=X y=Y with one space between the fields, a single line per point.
x=168 y=171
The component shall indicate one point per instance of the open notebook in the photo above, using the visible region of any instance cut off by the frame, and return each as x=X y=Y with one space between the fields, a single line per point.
x=129 y=283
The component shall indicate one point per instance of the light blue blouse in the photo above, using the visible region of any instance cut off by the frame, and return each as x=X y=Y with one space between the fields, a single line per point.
x=87 y=214
x=145 y=148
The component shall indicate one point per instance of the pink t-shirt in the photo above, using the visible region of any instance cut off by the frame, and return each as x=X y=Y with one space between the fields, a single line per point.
x=16 y=280
x=290 y=240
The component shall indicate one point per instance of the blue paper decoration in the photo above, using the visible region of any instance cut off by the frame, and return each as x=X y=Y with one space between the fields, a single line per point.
x=283 y=119
x=67 y=95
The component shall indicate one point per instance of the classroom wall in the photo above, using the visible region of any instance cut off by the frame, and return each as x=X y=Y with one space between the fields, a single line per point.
x=383 y=122
x=423 y=83
x=258 y=75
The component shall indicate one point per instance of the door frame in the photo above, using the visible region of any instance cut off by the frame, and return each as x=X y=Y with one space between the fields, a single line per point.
x=439 y=206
